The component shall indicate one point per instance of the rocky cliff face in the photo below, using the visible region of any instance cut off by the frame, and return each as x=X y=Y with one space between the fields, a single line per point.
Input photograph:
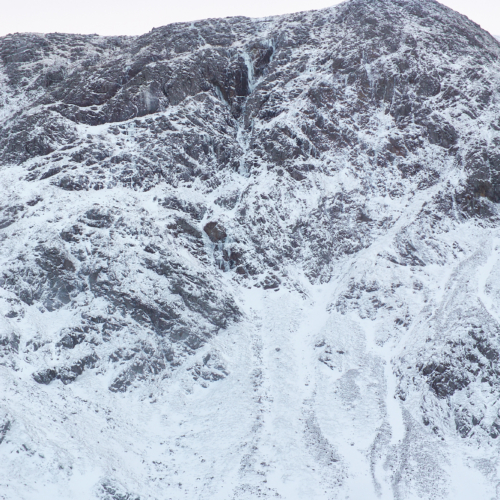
x=252 y=259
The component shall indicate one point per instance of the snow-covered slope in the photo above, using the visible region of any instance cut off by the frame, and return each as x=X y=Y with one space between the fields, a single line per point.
x=252 y=259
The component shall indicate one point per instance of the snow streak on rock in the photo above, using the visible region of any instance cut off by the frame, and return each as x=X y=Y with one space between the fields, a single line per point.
x=252 y=259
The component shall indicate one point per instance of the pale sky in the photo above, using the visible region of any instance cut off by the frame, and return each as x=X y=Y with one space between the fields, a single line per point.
x=135 y=17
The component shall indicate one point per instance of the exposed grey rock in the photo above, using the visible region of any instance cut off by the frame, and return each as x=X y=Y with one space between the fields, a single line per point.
x=4 y=428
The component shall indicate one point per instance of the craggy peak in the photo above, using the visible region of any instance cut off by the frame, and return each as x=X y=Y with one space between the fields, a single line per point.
x=252 y=258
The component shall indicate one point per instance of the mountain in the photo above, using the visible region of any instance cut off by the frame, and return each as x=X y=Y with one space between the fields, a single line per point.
x=252 y=258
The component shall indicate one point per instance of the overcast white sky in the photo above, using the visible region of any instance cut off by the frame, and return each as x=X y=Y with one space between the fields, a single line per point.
x=135 y=17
